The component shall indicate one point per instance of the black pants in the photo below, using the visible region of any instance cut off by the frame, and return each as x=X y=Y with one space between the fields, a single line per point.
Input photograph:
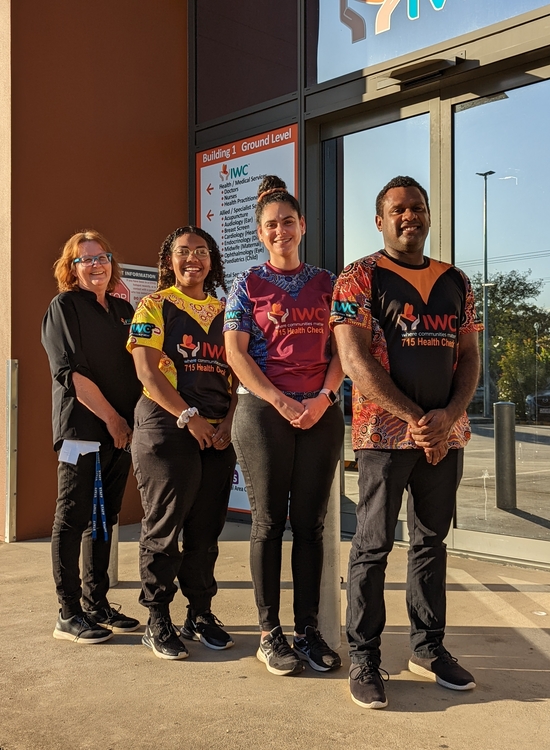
x=182 y=488
x=72 y=528
x=282 y=464
x=383 y=476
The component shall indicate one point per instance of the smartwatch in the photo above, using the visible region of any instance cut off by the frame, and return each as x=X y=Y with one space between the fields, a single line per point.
x=332 y=397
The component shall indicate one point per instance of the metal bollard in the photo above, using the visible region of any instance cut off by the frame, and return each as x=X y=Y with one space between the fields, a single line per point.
x=113 y=560
x=505 y=454
x=329 y=605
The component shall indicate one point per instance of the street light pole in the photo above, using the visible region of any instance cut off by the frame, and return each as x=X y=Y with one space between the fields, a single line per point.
x=486 y=371
x=536 y=327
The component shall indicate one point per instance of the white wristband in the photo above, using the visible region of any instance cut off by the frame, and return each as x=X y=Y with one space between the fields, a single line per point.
x=186 y=415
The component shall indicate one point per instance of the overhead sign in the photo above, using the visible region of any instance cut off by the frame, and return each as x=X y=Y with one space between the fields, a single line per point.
x=227 y=184
x=135 y=283
x=354 y=34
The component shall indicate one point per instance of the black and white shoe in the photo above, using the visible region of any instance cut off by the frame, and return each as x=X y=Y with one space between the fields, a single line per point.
x=112 y=618
x=80 y=629
x=163 y=638
x=314 y=649
x=443 y=669
x=276 y=654
x=207 y=629
x=366 y=684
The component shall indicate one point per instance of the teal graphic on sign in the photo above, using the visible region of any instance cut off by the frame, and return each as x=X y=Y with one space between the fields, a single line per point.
x=354 y=34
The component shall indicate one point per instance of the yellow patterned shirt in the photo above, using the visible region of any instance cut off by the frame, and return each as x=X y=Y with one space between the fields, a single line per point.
x=188 y=332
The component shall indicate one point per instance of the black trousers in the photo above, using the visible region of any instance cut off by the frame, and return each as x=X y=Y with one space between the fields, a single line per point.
x=72 y=528
x=287 y=471
x=383 y=476
x=183 y=489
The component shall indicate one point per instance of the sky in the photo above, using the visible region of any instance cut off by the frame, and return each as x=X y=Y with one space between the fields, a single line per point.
x=508 y=135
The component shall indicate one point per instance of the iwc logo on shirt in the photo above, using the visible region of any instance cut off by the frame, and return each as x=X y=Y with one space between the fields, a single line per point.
x=142 y=330
x=426 y=330
x=345 y=309
x=202 y=356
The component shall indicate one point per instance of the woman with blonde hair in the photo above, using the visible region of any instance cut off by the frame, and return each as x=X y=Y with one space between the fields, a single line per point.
x=94 y=392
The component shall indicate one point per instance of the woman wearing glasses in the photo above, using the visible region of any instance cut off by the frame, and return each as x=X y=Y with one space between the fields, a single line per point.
x=95 y=390
x=182 y=452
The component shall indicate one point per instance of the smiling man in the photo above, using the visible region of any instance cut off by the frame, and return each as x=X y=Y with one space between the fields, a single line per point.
x=407 y=335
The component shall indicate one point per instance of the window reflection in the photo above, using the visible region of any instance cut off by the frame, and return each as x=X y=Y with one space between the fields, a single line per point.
x=506 y=135
x=371 y=158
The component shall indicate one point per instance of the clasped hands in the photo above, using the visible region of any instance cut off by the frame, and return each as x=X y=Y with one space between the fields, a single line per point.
x=304 y=414
x=208 y=435
x=431 y=432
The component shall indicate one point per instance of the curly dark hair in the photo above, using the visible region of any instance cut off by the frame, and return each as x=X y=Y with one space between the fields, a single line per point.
x=216 y=275
x=400 y=181
x=273 y=190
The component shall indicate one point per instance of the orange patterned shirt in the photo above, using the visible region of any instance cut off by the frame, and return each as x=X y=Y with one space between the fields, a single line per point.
x=416 y=315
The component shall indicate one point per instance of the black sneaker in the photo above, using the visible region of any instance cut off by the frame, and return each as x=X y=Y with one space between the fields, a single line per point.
x=444 y=669
x=80 y=629
x=207 y=629
x=163 y=638
x=277 y=655
x=113 y=619
x=366 y=684
x=315 y=650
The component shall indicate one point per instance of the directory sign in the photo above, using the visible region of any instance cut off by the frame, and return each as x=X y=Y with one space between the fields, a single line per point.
x=354 y=34
x=227 y=179
x=227 y=185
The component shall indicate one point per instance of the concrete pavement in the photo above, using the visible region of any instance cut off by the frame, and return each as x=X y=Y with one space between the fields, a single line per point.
x=119 y=696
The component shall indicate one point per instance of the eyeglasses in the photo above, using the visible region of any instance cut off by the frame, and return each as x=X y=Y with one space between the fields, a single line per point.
x=89 y=260
x=198 y=252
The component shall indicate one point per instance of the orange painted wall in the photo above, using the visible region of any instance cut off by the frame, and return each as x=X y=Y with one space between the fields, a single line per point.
x=99 y=97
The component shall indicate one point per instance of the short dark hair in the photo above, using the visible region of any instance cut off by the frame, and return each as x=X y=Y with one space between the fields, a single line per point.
x=273 y=190
x=216 y=276
x=400 y=181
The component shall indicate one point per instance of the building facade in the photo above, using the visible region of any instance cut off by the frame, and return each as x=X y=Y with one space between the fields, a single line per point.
x=117 y=130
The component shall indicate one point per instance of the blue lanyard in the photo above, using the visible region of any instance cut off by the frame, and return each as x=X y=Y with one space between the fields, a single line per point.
x=98 y=493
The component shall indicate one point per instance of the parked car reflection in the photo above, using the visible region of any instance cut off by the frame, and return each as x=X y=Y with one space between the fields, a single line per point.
x=537 y=406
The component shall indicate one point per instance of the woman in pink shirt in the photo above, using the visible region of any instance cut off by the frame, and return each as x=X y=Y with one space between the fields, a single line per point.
x=287 y=428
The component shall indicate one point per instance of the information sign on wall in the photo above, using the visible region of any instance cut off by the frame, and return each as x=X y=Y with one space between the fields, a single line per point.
x=227 y=182
x=135 y=283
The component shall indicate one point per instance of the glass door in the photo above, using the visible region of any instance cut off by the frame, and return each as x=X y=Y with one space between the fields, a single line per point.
x=370 y=159
x=501 y=206
x=458 y=148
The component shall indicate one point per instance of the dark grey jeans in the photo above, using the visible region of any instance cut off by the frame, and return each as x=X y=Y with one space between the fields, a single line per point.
x=383 y=476
x=183 y=489
x=72 y=528
x=288 y=471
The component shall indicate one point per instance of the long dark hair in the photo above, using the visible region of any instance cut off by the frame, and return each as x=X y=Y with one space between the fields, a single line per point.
x=216 y=276
x=273 y=190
